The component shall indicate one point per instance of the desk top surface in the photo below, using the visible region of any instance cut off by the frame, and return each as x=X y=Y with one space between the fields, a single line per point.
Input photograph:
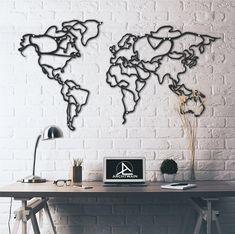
x=48 y=189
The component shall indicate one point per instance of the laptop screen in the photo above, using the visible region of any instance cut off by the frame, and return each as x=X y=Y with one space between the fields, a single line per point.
x=124 y=169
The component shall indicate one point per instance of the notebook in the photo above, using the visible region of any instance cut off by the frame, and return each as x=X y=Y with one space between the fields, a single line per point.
x=128 y=171
x=180 y=186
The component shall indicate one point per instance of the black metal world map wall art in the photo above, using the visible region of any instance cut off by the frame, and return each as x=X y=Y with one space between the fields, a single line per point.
x=56 y=48
x=137 y=58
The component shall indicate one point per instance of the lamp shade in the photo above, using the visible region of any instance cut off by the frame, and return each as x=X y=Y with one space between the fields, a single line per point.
x=51 y=132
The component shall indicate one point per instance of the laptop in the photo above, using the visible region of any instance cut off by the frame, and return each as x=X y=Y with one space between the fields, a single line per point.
x=120 y=171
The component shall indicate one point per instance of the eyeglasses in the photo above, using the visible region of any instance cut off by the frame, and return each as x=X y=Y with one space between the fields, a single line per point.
x=61 y=183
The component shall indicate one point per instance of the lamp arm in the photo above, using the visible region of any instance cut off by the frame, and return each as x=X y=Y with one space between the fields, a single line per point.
x=35 y=152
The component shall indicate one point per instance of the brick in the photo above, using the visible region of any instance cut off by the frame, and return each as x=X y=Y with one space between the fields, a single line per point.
x=91 y=5
x=146 y=229
x=131 y=122
x=159 y=15
x=89 y=154
x=213 y=175
x=199 y=5
x=126 y=209
x=204 y=16
x=91 y=165
x=230 y=122
x=199 y=154
x=210 y=165
x=224 y=133
x=113 y=133
x=175 y=122
x=113 y=152
x=126 y=144
x=6 y=5
x=178 y=143
x=126 y=230
x=141 y=133
x=213 y=122
x=97 y=209
x=70 y=144
x=113 y=4
x=6 y=154
x=84 y=132
x=204 y=132
x=111 y=220
x=155 y=144
x=222 y=154
x=98 y=144
x=168 y=220
x=177 y=17
x=168 y=5
x=230 y=143
x=13 y=165
x=97 y=229
x=97 y=122
x=154 y=210
x=230 y=165
x=173 y=154
x=16 y=144
x=211 y=144
x=82 y=220
x=6 y=176
x=228 y=111
x=153 y=165
x=140 y=5
x=70 y=229
x=148 y=154
x=28 y=5
x=120 y=16
x=111 y=200
x=139 y=220
x=154 y=122
x=6 y=133
x=82 y=200
x=57 y=5
x=169 y=132
x=47 y=165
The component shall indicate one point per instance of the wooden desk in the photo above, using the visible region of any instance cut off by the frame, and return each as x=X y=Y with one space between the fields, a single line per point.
x=203 y=189
x=206 y=191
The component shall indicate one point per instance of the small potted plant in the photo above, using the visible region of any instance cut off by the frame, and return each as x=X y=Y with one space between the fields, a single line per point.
x=169 y=169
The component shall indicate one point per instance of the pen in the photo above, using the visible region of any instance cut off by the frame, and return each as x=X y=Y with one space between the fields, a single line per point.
x=179 y=184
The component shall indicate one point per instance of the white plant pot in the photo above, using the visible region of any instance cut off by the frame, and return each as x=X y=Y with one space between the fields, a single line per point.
x=169 y=177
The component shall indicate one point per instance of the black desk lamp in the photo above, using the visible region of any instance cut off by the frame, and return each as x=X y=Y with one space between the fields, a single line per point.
x=49 y=133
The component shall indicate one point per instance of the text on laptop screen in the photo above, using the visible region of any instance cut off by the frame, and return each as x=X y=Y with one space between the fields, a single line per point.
x=123 y=169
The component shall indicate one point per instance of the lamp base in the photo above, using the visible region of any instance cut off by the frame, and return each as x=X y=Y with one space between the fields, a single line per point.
x=33 y=179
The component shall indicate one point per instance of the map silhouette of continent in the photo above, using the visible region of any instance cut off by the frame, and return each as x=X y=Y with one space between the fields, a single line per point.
x=56 y=49
x=165 y=53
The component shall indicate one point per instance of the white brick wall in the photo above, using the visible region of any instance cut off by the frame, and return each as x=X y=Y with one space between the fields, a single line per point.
x=29 y=102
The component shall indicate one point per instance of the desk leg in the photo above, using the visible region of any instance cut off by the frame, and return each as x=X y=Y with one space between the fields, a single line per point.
x=209 y=217
x=16 y=227
x=24 y=220
x=218 y=225
x=34 y=223
x=47 y=211
x=198 y=225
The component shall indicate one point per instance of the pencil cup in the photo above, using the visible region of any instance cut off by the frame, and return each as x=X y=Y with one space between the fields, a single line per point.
x=77 y=174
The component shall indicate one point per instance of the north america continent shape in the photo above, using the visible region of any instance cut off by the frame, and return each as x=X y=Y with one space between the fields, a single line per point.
x=56 y=48
x=164 y=53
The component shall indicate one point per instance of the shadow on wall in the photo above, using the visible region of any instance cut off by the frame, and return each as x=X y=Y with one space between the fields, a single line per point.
x=122 y=215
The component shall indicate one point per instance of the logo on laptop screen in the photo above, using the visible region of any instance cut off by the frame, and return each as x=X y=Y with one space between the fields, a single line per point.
x=125 y=170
